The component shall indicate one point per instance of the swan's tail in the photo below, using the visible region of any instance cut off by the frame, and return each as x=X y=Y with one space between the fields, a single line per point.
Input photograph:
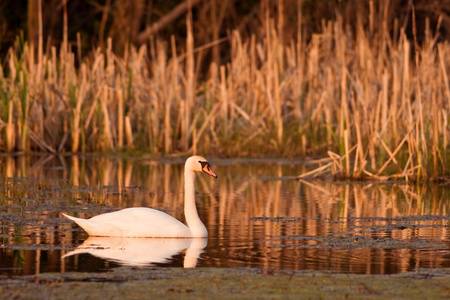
x=83 y=223
x=91 y=226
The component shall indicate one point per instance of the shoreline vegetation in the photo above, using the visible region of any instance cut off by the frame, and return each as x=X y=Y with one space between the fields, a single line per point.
x=374 y=103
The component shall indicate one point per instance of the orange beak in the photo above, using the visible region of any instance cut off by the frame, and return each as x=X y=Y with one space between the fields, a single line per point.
x=207 y=169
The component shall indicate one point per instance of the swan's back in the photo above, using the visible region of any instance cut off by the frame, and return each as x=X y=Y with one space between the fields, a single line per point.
x=133 y=222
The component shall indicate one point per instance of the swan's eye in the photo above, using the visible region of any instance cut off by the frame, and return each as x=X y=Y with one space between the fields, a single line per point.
x=205 y=165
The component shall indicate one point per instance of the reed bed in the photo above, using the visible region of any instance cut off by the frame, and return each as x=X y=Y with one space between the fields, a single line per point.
x=376 y=104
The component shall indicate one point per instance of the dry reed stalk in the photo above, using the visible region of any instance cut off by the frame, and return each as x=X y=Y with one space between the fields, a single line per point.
x=63 y=141
x=224 y=101
x=435 y=133
x=106 y=121
x=76 y=109
x=129 y=132
x=387 y=150
x=161 y=96
x=393 y=106
x=359 y=162
x=444 y=126
x=336 y=166
x=120 y=114
x=384 y=103
x=208 y=119
x=190 y=85
x=64 y=52
x=392 y=156
x=312 y=70
x=23 y=107
x=278 y=107
x=91 y=112
x=193 y=149
x=406 y=104
x=347 y=160
x=316 y=172
x=280 y=36
x=42 y=144
x=10 y=133
x=40 y=45
x=152 y=123
x=251 y=78
x=110 y=68
x=423 y=140
x=444 y=71
x=172 y=97
x=337 y=160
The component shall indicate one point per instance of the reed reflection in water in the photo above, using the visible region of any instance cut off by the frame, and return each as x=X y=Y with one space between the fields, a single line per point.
x=256 y=215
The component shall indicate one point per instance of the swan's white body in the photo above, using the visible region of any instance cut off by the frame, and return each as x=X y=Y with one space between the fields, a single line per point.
x=147 y=222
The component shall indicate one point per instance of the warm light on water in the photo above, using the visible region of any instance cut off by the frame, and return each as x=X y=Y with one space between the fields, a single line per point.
x=256 y=214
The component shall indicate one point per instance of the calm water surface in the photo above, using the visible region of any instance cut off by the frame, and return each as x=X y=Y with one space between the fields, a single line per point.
x=257 y=215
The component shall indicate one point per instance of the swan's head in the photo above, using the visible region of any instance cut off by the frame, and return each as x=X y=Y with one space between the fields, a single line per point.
x=199 y=164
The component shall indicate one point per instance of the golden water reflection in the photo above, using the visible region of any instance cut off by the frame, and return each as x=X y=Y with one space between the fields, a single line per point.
x=256 y=215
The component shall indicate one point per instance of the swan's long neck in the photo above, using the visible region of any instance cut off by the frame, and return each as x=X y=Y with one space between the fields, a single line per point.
x=190 y=209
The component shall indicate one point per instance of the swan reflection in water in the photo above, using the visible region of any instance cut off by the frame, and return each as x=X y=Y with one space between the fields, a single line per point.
x=142 y=251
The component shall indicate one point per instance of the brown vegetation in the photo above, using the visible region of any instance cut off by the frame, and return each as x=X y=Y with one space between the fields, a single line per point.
x=375 y=100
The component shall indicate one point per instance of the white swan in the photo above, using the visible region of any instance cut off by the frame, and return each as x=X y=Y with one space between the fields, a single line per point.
x=147 y=222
